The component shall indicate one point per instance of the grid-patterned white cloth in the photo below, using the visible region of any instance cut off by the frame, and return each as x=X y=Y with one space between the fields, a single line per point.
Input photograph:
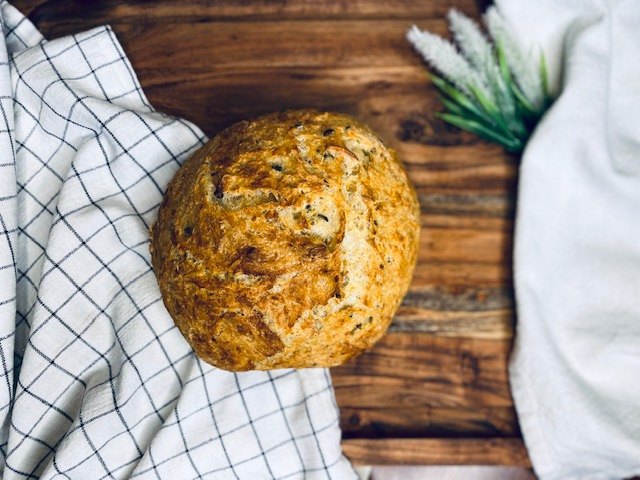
x=95 y=380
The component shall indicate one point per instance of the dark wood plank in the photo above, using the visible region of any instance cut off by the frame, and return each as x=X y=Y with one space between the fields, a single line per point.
x=408 y=370
x=27 y=6
x=428 y=421
x=435 y=451
x=91 y=12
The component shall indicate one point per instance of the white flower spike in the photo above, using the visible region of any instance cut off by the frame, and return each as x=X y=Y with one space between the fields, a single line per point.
x=472 y=42
x=524 y=69
x=444 y=57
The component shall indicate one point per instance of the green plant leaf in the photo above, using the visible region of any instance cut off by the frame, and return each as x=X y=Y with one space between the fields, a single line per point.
x=497 y=119
x=502 y=64
x=544 y=76
x=447 y=90
x=457 y=109
x=525 y=106
x=510 y=143
x=483 y=101
x=505 y=116
x=452 y=92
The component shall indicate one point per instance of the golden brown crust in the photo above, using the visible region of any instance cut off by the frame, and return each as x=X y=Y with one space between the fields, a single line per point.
x=286 y=241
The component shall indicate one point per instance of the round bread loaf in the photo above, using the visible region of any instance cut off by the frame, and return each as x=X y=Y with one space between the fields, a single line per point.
x=286 y=241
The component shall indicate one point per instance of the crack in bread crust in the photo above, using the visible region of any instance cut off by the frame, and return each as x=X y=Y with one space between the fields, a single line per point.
x=286 y=241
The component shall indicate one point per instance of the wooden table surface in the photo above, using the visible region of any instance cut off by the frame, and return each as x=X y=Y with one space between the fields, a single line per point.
x=435 y=389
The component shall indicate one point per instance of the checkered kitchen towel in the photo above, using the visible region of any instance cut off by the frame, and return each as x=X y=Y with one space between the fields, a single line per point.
x=95 y=380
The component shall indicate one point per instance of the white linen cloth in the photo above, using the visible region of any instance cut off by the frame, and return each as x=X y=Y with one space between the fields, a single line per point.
x=575 y=369
x=95 y=380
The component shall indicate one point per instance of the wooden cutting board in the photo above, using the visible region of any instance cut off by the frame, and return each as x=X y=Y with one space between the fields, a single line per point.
x=435 y=389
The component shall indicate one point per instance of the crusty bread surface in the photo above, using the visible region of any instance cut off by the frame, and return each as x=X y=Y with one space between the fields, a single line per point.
x=286 y=241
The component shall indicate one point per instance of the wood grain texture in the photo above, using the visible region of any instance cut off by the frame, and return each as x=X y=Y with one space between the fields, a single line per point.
x=406 y=370
x=439 y=379
x=435 y=451
x=426 y=421
x=78 y=11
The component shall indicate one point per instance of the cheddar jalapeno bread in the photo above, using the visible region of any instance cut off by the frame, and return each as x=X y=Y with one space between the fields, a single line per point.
x=286 y=241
